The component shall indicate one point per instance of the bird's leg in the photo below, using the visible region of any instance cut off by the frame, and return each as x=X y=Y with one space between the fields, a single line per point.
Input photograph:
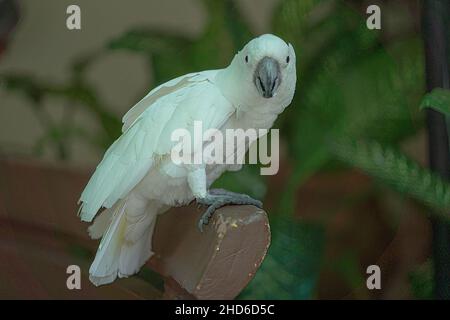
x=217 y=198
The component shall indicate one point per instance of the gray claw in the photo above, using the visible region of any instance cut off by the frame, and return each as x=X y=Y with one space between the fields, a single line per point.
x=218 y=198
x=200 y=224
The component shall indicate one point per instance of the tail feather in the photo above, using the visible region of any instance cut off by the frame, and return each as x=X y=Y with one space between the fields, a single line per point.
x=101 y=224
x=104 y=269
x=137 y=229
x=125 y=244
x=134 y=255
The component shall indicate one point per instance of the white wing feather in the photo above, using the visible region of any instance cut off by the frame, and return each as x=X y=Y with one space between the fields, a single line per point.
x=146 y=135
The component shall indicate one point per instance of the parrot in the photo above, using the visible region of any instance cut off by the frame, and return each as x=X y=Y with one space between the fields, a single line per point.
x=136 y=180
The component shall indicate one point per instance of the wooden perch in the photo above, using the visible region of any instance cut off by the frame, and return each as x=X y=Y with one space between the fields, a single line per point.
x=215 y=264
x=40 y=230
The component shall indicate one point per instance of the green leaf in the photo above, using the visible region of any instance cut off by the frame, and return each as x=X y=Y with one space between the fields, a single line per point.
x=292 y=266
x=394 y=169
x=438 y=99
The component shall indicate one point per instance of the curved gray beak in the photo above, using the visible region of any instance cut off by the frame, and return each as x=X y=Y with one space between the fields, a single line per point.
x=267 y=77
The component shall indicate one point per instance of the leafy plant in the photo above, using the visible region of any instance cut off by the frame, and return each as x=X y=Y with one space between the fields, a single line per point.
x=348 y=85
x=394 y=169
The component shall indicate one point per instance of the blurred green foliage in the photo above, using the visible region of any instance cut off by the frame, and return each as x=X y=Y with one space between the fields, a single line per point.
x=290 y=271
x=421 y=280
x=399 y=172
x=357 y=95
x=438 y=99
x=58 y=134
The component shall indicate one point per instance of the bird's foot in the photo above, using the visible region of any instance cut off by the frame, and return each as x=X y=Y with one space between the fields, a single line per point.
x=218 y=198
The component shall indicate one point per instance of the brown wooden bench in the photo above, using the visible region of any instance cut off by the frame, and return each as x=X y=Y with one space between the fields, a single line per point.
x=40 y=235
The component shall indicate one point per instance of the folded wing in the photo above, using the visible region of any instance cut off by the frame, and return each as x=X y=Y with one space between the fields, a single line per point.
x=146 y=136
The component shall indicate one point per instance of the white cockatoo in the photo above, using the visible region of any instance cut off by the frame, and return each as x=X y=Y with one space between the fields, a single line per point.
x=137 y=180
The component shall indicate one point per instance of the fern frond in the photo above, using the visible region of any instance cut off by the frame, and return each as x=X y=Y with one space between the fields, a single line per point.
x=396 y=170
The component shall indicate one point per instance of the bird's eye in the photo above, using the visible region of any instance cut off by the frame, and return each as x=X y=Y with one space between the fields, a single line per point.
x=246 y=59
x=287 y=59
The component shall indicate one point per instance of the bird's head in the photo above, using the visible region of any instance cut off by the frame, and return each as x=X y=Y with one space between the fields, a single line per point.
x=262 y=76
x=267 y=61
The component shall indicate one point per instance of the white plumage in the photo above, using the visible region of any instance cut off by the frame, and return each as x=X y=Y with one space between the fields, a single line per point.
x=136 y=179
